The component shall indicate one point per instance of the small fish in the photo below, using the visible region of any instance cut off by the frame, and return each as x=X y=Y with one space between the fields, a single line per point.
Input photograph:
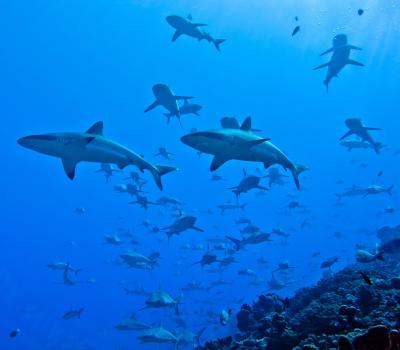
x=380 y=173
x=225 y=316
x=14 y=333
x=366 y=278
x=360 y=12
x=295 y=30
x=296 y=18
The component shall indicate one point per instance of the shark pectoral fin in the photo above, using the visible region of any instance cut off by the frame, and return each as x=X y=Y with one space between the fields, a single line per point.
x=197 y=229
x=350 y=132
x=263 y=188
x=217 y=162
x=176 y=35
x=96 y=129
x=368 y=128
x=246 y=125
x=352 y=47
x=322 y=66
x=152 y=106
x=355 y=63
x=327 y=51
x=69 y=167
x=250 y=144
x=199 y=24
x=183 y=97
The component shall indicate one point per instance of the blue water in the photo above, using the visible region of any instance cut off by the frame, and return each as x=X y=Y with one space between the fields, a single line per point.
x=67 y=64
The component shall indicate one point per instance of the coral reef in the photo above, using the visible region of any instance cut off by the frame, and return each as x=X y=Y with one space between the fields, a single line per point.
x=341 y=312
x=386 y=233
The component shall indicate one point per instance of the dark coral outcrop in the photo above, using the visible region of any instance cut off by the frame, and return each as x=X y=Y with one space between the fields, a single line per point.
x=341 y=312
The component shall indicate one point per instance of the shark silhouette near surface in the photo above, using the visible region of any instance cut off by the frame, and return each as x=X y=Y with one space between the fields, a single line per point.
x=340 y=58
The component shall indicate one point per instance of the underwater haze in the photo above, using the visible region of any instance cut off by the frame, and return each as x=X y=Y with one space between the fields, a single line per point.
x=65 y=278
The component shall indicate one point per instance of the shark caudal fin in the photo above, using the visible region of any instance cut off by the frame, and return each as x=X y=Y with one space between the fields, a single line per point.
x=390 y=190
x=238 y=243
x=295 y=173
x=326 y=83
x=160 y=170
x=218 y=42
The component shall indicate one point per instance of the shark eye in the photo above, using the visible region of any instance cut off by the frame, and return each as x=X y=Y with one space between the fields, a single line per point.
x=64 y=140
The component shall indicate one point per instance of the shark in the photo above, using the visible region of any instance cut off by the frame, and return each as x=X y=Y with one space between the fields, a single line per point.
x=166 y=98
x=356 y=127
x=90 y=146
x=340 y=58
x=358 y=144
x=239 y=143
x=186 y=108
x=185 y=26
x=248 y=183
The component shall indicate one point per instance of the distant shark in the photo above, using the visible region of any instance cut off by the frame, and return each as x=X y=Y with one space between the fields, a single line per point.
x=340 y=58
x=356 y=127
x=185 y=26
x=166 y=98
x=186 y=108
x=239 y=143
x=90 y=146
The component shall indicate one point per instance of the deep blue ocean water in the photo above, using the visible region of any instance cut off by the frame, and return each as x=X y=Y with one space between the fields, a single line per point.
x=67 y=64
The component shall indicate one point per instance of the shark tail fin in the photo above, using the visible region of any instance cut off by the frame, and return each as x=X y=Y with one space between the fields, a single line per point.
x=236 y=241
x=379 y=256
x=198 y=335
x=295 y=173
x=160 y=170
x=218 y=42
x=390 y=190
x=326 y=83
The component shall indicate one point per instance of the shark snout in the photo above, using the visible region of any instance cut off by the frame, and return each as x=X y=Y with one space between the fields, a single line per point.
x=22 y=141
x=35 y=141
x=187 y=139
x=28 y=141
x=172 y=20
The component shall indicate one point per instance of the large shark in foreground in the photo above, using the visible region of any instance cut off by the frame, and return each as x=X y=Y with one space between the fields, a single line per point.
x=340 y=58
x=90 y=146
x=239 y=143
x=185 y=26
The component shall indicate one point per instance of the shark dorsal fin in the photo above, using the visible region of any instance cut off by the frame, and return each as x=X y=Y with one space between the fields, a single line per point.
x=230 y=123
x=246 y=125
x=96 y=129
